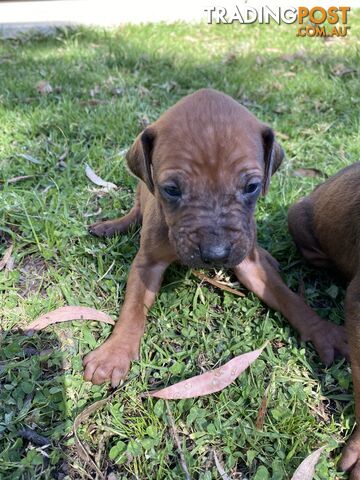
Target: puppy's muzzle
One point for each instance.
(214, 253)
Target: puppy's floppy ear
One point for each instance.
(139, 157)
(273, 156)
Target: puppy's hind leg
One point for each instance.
(118, 225)
(300, 221)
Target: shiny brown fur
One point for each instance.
(326, 228)
(214, 152)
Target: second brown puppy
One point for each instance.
(326, 228)
(202, 167)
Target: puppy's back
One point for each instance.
(337, 218)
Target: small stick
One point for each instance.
(177, 442)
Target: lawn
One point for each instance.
(106, 85)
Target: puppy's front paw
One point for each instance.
(110, 362)
(102, 229)
(330, 341)
(350, 459)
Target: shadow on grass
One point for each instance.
(33, 399)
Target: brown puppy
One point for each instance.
(326, 228)
(202, 166)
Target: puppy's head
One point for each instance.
(207, 160)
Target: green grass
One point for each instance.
(138, 72)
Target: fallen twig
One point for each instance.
(177, 442)
(216, 283)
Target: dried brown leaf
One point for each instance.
(217, 284)
(10, 264)
(98, 180)
(282, 136)
(65, 314)
(308, 172)
(6, 257)
(306, 469)
(339, 70)
(262, 412)
(209, 382)
(43, 87)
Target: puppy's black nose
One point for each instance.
(214, 254)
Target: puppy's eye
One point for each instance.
(251, 188)
(172, 191)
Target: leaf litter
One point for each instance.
(204, 384)
(308, 172)
(217, 283)
(5, 261)
(209, 382)
(306, 469)
(65, 314)
(94, 178)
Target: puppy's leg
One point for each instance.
(300, 221)
(111, 361)
(118, 225)
(350, 459)
(258, 274)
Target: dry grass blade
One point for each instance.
(209, 382)
(98, 180)
(83, 452)
(6, 257)
(306, 469)
(220, 468)
(84, 415)
(65, 314)
(19, 178)
(177, 442)
(217, 284)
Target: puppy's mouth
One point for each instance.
(197, 262)
(194, 258)
(202, 249)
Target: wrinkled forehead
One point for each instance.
(209, 152)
